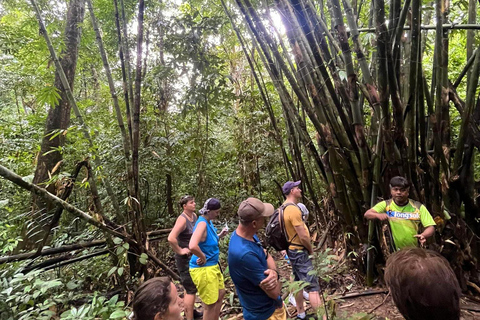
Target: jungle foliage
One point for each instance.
(226, 99)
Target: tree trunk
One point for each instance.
(58, 117)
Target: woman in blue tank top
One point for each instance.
(204, 268)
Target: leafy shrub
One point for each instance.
(36, 295)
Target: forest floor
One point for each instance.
(351, 302)
(375, 307)
(345, 289)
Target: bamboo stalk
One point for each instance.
(125, 64)
(138, 223)
(280, 86)
(449, 26)
(442, 117)
(262, 90)
(465, 70)
(466, 117)
(125, 138)
(411, 123)
(472, 17)
(357, 44)
(127, 61)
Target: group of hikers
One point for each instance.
(411, 273)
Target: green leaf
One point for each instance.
(111, 271)
(71, 285)
(118, 314)
(117, 240)
(143, 258)
(120, 271)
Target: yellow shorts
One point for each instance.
(279, 314)
(208, 280)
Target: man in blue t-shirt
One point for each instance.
(252, 269)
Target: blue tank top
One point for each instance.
(209, 247)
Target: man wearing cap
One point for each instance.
(300, 247)
(252, 269)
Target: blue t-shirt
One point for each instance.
(247, 263)
(209, 247)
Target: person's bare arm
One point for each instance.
(304, 238)
(271, 285)
(197, 237)
(427, 233)
(372, 214)
(178, 228)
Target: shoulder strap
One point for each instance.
(388, 202)
(415, 204)
(282, 220)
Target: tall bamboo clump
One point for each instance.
(326, 71)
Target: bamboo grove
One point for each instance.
(375, 114)
(358, 110)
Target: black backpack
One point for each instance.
(275, 233)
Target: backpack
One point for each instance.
(275, 233)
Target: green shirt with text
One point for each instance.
(405, 221)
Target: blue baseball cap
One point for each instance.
(289, 185)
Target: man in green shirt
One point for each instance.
(404, 215)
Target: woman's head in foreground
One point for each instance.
(156, 299)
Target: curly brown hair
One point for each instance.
(423, 285)
(151, 298)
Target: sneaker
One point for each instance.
(309, 317)
(292, 301)
(306, 296)
(197, 314)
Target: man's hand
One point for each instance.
(185, 252)
(270, 282)
(421, 238)
(382, 216)
(372, 214)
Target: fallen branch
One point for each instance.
(163, 265)
(13, 177)
(378, 306)
(158, 232)
(160, 237)
(52, 251)
(360, 294)
(70, 261)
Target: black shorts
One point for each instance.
(301, 265)
(183, 270)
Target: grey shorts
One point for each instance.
(183, 270)
(301, 265)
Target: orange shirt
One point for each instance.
(293, 217)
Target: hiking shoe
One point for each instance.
(309, 317)
(197, 314)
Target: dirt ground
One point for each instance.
(346, 282)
